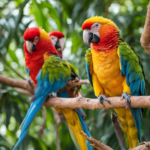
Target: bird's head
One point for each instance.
(58, 41)
(37, 42)
(98, 31)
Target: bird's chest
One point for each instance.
(106, 67)
(34, 65)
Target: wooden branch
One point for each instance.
(94, 143)
(86, 103)
(100, 146)
(23, 91)
(16, 83)
(142, 146)
(25, 85)
(145, 37)
(79, 102)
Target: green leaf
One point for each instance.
(6, 145)
(13, 55)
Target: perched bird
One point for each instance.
(50, 74)
(114, 69)
(58, 41)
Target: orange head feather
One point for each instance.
(108, 33)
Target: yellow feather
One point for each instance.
(74, 125)
(107, 78)
(101, 20)
(43, 34)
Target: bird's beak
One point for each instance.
(60, 44)
(30, 46)
(89, 37)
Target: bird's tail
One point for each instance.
(76, 124)
(130, 122)
(32, 111)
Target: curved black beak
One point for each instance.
(57, 45)
(93, 38)
(34, 47)
(90, 37)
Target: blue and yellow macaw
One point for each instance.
(50, 74)
(58, 42)
(114, 69)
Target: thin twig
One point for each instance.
(59, 119)
(43, 123)
(100, 146)
(23, 91)
(97, 144)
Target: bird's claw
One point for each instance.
(76, 79)
(51, 95)
(31, 83)
(126, 96)
(102, 98)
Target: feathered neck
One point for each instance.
(109, 39)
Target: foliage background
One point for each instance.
(66, 16)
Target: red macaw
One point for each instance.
(50, 74)
(58, 41)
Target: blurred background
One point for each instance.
(66, 16)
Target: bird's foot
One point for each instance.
(31, 83)
(51, 95)
(127, 98)
(76, 79)
(102, 98)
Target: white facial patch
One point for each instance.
(95, 28)
(53, 39)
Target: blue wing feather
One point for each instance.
(136, 84)
(88, 73)
(43, 88)
(27, 70)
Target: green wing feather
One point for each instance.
(88, 59)
(132, 69)
(58, 68)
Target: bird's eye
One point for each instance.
(87, 29)
(36, 38)
(52, 38)
(96, 25)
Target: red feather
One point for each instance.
(87, 25)
(31, 33)
(109, 38)
(57, 34)
(44, 46)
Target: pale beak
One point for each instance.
(30, 46)
(60, 44)
(89, 37)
